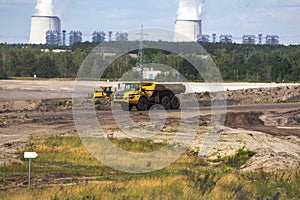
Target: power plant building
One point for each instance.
(98, 36)
(249, 39)
(227, 39)
(75, 36)
(272, 39)
(121, 36)
(214, 36)
(203, 38)
(40, 25)
(187, 30)
(52, 38)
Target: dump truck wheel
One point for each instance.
(175, 104)
(142, 104)
(156, 107)
(166, 102)
(126, 107)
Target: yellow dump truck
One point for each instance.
(103, 92)
(144, 95)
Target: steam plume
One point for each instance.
(190, 9)
(44, 7)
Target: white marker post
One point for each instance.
(30, 155)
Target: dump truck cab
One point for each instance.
(129, 96)
(144, 95)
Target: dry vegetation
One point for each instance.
(65, 170)
(254, 158)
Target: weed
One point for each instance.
(5, 116)
(185, 179)
(287, 101)
(98, 107)
(207, 94)
(98, 102)
(137, 145)
(61, 103)
(8, 144)
(239, 159)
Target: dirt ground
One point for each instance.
(274, 134)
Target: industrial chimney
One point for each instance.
(39, 27)
(187, 30)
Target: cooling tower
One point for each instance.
(40, 25)
(187, 30)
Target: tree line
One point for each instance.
(236, 62)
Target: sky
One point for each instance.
(235, 17)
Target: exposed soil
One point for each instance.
(16, 131)
(43, 105)
(254, 96)
(52, 95)
(266, 122)
(272, 134)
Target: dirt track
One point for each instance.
(243, 125)
(274, 134)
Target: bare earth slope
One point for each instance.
(43, 108)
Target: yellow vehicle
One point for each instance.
(144, 95)
(103, 92)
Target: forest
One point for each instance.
(236, 62)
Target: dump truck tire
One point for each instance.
(142, 104)
(166, 102)
(175, 104)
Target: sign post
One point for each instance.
(30, 155)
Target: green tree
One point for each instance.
(26, 60)
(2, 70)
(45, 66)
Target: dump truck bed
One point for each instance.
(175, 88)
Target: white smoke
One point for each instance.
(190, 9)
(44, 7)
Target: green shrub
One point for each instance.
(240, 158)
(97, 102)
(207, 94)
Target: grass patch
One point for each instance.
(98, 102)
(138, 146)
(62, 103)
(239, 159)
(26, 116)
(288, 101)
(236, 161)
(190, 177)
(66, 151)
(8, 144)
(69, 155)
(209, 184)
(206, 94)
